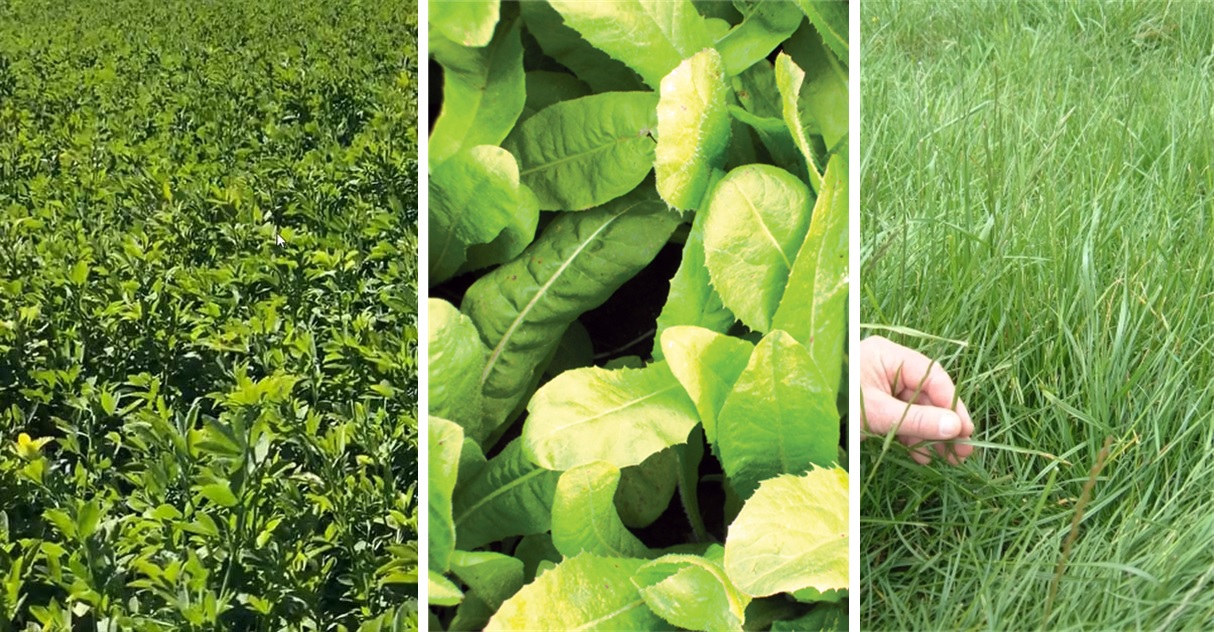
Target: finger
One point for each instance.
(916, 396)
(921, 455)
(883, 413)
(906, 369)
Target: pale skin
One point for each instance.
(908, 393)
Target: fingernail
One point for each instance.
(950, 425)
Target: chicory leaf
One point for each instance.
(584, 152)
(767, 23)
(581, 593)
(792, 534)
(707, 364)
(446, 439)
(829, 17)
(509, 496)
(565, 45)
(814, 306)
(692, 593)
(621, 417)
(475, 196)
(456, 358)
(645, 490)
(693, 129)
(522, 307)
(650, 36)
(584, 519)
(483, 92)
(465, 22)
(780, 417)
(757, 218)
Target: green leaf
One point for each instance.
(586, 592)
(522, 307)
(584, 519)
(493, 577)
(767, 23)
(219, 493)
(456, 359)
(442, 591)
(814, 307)
(692, 593)
(565, 45)
(88, 516)
(446, 440)
(476, 198)
(692, 299)
(757, 218)
(533, 549)
(707, 365)
(792, 534)
(620, 417)
(508, 496)
(650, 36)
(465, 22)
(790, 79)
(545, 88)
(693, 129)
(645, 490)
(829, 17)
(483, 92)
(584, 152)
(780, 417)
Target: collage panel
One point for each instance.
(1035, 215)
(208, 315)
(638, 284)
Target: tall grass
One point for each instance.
(1038, 182)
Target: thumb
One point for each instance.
(883, 412)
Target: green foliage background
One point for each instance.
(208, 306)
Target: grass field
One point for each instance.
(208, 281)
(1037, 185)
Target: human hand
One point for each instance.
(900, 384)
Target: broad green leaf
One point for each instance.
(546, 87)
(475, 197)
(757, 218)
(584, 519)
(792, 534)
(757, 91)
(823, 618)
(492, 577)
(584, 152)
(790, 79)
(536, 548)
(483, 92)
(693, 129)
(445, 442)
(218, 493)
(456, 358)
(829, 17)
(620, 417)
(707, 365)
(565, 45)
(465, 22)
(650, 36)
(575, 351)
(586, 592)
(645, 490)
(692, 299)
(767, 23)
(776, 138)
(814, 307)
(780, 417)
(522, 307)
(692, 593)
(442, 591)
(509, 496)
(825, 90)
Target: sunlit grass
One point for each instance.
(1037, 183)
